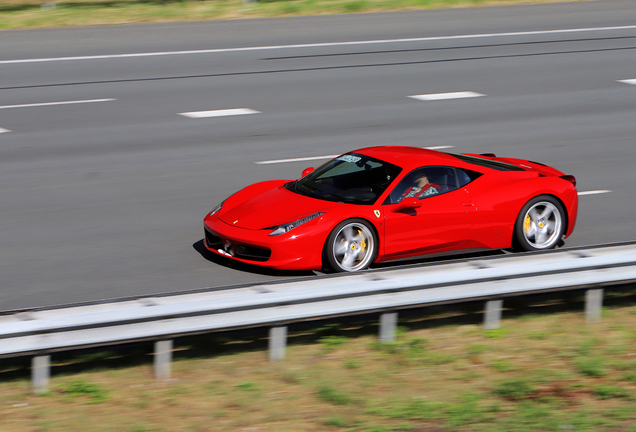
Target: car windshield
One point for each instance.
(351, 178)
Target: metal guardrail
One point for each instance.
(42, 332)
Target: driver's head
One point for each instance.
(422, 181)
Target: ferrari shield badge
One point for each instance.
(376, 213)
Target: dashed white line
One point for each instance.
(594, 192)
(219, 113)
(56, 103)
(3, 130)
(275, 161)
(438, 147)
(316, 45)
(444, 96)
(628, 81)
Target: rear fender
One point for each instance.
(495, 215)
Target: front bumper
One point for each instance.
(299, 249)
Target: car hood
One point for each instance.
(272, 207)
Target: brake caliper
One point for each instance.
(526, 224)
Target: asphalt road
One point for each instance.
(104, 182)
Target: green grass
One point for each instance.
(605, 391)
(333, 396)
(247, 386)
(332, 342)
(80, 387)
(514, 389)
(591, 366)
(31, 13)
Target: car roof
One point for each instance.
(410, 157)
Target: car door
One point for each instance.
(437, 218)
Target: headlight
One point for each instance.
(282, 229)
(216, 209)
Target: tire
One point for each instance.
(540, 224)
(351, 246)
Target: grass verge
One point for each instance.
(444, 373)
(15, 14)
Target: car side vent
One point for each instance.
(487, 154)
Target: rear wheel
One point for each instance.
(540, 224)
(351, 246)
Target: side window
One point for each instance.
(466, 176)
(425, 182)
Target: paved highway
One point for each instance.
(115, 141)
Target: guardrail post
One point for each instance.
(163, 359)
(40, 373)
(492, 317)
(593, 305)
(388, 325)
(277, 343)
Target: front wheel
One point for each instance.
(351, 246)
(540, 224)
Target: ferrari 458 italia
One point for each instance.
(388, 203)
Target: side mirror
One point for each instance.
(407, 203)
(307, 171)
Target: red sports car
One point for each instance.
(386, 203)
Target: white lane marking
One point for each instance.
(444, 96)
(3, 130)
(438, 147)
(56, 103)
(317, 45)
(594, 192)
(219, 113)
(267, 162)
(275, 161)
(628, 81)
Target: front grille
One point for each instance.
(243, 251)
(252, 253)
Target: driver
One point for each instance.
(421, 188)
